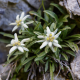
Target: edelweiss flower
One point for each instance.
(50, 39)
(17, 44)
(20, 22)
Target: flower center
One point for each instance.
(50, 38)
(18, 22)
(17, 43)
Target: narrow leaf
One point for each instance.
(27, 60)
(51, 72)
(39, 58)
(46, 66)
(27, 66)
(36, 14)
(52, 14)
(65, 56)
(59, 7)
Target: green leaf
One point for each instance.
(9, 55)
(76, 47)
(65, 28)
(51, 72)
(74, 36)
(53, 26)
(5, 41)
(7, 35)
(52, 14)
(36, 14)
(37, 33)
(37, 62)
(26, 55)
(59, 7)
(46, 16)
(64, 19)
(18, 67)
(33, 42)
(46, 49)
(37, 26)
(65, 56)
(46, 66)
(39, 12)
(27, 60)
(59, 24)
(53, 66)
(27, 66)
(70, 52)
(39, 58)
(42, 54)
(23, 58)
(73, 46)
(10, 60)
(36, 51)
(18, 53)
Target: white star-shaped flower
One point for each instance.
(50, 39)
(17, 44)
(20, 22)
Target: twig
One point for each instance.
(58, 73)
(64, 65)
(8, 75)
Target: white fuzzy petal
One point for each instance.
(56, 44)
(29, 22)
(55, 31)
(16, 38)
(40, 41)
(50, 44)
(55, 41)
(14, 28)
(22, 15)
(17, 17)
(25, 26)
(40, 36)
(12, 23)
(20, 49)
(48, 30)
(22, 28)
(43, 44)
(57, 35)
(25, 17)
(12, 49)
(8, 45)
(13, 41)
(25, 49)
(52, 49)
(25, 40)
(22, 44)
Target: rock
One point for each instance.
(72, 7)
(9, 9)
(14, 1)
(3, 52)
(10, 12)
(75, 65)
(4, 71)
(36, 3)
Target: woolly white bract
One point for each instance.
(50, 39)
(20, 22)
(17, 44)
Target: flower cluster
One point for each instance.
(17, 44)
(49, 39)
(20, 22)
